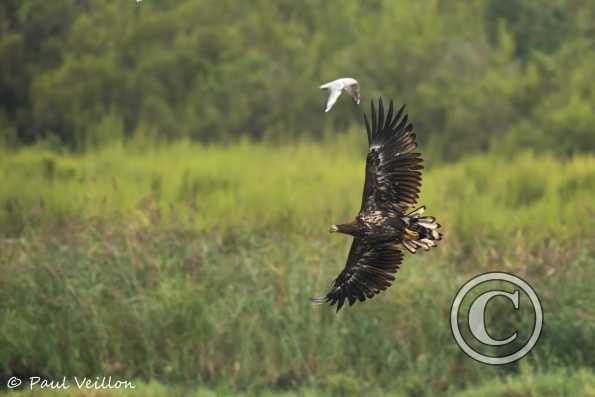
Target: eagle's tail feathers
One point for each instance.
(420, 231)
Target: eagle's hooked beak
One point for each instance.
(333, 229)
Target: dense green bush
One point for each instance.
(484, 74)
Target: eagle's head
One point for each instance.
(345, 228)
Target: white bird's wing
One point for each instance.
(353, 91)
(334, 94)
(332, 84)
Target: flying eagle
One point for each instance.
(383, 225)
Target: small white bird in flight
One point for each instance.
(335, 87)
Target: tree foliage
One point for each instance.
(477, 75)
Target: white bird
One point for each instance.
(335, 87)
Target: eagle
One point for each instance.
(385, 222)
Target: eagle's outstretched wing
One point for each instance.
(393, 168)
(368, 271)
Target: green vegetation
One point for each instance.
(168, 176)
(486, 74)
(193, 265)
(556, 384)
(299, 190)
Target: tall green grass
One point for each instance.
(185, 309)
(551, 384)
(251, 188)
(194, 265)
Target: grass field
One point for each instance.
(554, 384)
(189, 268)
(298, 190)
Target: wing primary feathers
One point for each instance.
(402, 124)
(389, 116)
(368, 271)
(392, 165)
(380, 113)
(368, 132)
(373, 120)
(397, 117)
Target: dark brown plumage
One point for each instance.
(391, 188)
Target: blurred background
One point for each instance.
(168, 176)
